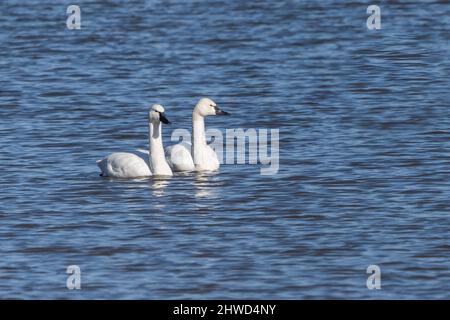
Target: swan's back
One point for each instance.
(124, 165)
(179, 157)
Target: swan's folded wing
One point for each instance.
(179, 157)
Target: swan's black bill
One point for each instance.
(220, 112)
(163, 119)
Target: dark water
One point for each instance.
(364, 173)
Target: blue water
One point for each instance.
(364, 174)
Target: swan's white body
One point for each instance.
(130, 165)
(197, 156)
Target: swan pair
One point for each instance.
(184, 156)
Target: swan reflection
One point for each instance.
(159, 185)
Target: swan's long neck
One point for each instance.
(198, 136)
(157, 158)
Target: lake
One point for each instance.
(364, 150)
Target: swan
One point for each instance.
(197, 156)
(130, 165)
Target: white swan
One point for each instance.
(129, 165)
(197, 156)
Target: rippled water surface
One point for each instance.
(364, 172)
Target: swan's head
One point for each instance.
(156, 114)
(207, 107)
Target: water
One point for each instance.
(364, 173)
